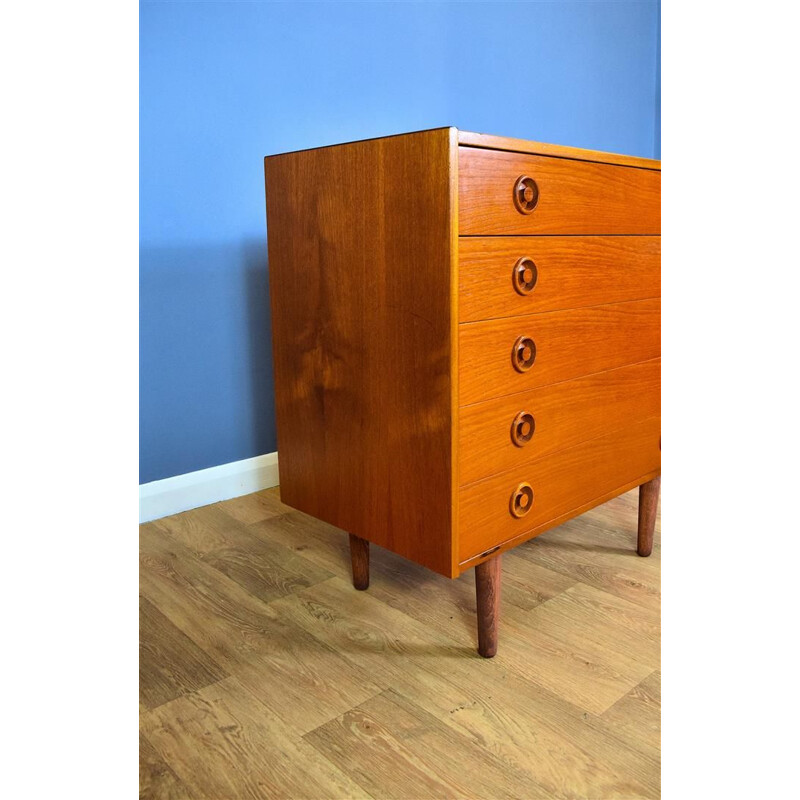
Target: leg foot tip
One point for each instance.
(487, 649)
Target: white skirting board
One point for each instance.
(194, 489)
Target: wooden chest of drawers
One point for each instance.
(466, 335)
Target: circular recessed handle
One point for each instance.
(526, 194)
(521, 500)
(522, 428)
(523, 354)
(524, 276)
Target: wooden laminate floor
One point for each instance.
(264, 674)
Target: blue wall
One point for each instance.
(223, 84)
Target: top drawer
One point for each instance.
(513, 193)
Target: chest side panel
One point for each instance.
(360, 282)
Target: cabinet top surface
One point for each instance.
(488, 141)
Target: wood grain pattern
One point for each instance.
(410, 752)
(575, 197)
(562, 711)
(561, 481)
(360, 240)
(570, 664)
(491, 142)
(488, 583)
(316, 541)
(637, 716)
(252, 508)
(419, 662)
(157, 780)
(648, 503)
(291, 672)
(634, 629)
(565, 414)
(205, 736)
(569, 344)
(572, 272)
(265, 570)
(170, 663)
(489, 706)
(362, 744)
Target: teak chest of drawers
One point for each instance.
(466, 335)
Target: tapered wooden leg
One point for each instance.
(359, 555)
(648, 505)
(487, 589)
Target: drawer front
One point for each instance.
(516, 275)
(504, 356)
(513, 193)
(511, 432)
(498, 509)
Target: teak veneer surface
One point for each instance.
(562, 480)
(572, 272)
(395, 316)
(360, 248)
(569, 344)
(575, 197)
(565, 414)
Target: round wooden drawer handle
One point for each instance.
(521, 500)
(522, 428)
(526, 194)
(524, 276)
(523, 354)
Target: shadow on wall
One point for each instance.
(206, 388)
